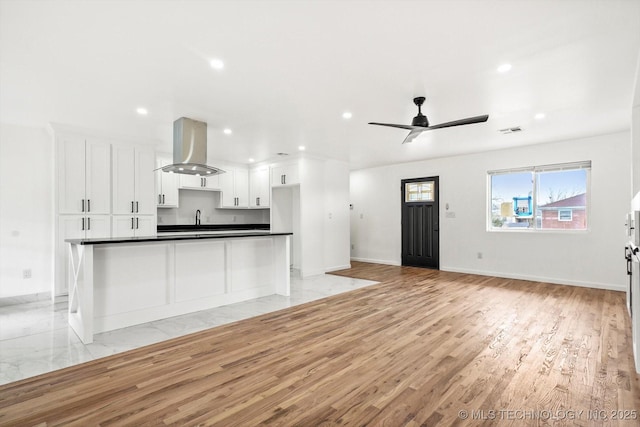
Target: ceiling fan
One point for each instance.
(420, 123)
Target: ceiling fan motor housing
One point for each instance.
(420, 119)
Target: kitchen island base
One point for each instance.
(116, 285)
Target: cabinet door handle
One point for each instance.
(205, 182)
(137, 223)
(82, 205)
(163, 199)
(88, 223)
(281, 179)
(82, 224)
(88, 205)
(132, 223)
(257, 201)
(132, 207)
(159, 199)
(137, 207)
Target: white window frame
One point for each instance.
(535, 170)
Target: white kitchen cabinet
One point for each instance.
(194, 182)
(133, 225)
(234, 185)
(133, 185)
(83, 175)
(166, 184)
(287, 174)
(259, 188)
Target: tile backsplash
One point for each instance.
(207, 202)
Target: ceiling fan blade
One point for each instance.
(413, 134)
(408, 127)
(467, 121)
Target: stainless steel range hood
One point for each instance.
(190, 149)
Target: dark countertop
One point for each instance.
(177, 236)
(211, 227)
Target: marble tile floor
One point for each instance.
(35, 337)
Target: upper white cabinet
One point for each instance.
(166, 184)
(259, 188)
(133, 182)
(234, 185)
(84, 172)
(287, 174)
(194, 182)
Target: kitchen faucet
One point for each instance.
(198, 217)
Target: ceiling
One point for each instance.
(292, 68)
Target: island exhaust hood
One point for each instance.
(190, 149)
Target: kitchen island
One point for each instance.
(120, 282)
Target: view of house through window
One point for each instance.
(551, 197)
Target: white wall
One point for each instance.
(26, 210)
(591, 258)
(635, 138)
(207, 202)
(336, 219)
(312, 214)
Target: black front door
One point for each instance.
(420, 219)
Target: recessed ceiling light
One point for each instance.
(142, 111)
(539, 116)
(180, 169)
(301, 147)
(208, 172)
(347, 115)
(227, 131)
(251, 160)
(216, 64)
(504, 68)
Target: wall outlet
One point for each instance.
(479, 255)
(26, 273)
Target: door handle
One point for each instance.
(131, 206)
(82, 205)
(159, 199)
(257, 201)
(163, 199)
(88, 223)
(88, 205)
(82, 224)
(137, 223)
(137, 207)
(132, 223)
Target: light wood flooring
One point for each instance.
(420, 348)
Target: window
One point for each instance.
(419, 191)
(565, 215)
(551, 197)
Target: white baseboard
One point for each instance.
(376, 261)
(596, 285)
(337, 267)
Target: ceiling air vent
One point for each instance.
(282, 154)
(510, 130)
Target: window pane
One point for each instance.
(419, 191)
(511, 200)
(562, 200)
